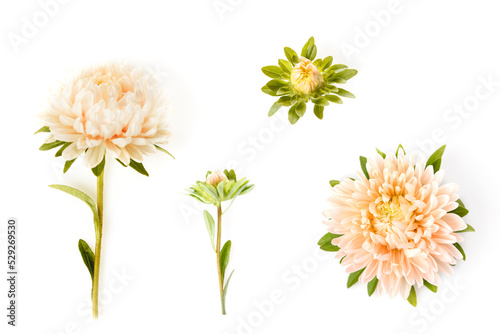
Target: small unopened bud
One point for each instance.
(305, 77)
(215, 178)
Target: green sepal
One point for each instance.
(43, 129)
(467, 229)
(460, 249)
(354, 277)
(435, 159)
(61, 150)
(292, 56)
(292, 115)
(285, 66)
(333, 183)
(344, 93)
(230, 174)
(326, 63)
(412, 297)
(372, 285)
(382, 154)
(461, 210)
(268, 91)
(430, 286)
(68, 164)
(318, 111)
(138, 167)
(97, 170)
(161, 149)
(327, 238)
(334, 99)
(363, 161)
(273, 71)
(274, 108)
(300, 109)
(346, 74)
(49, 146)
(400, 147)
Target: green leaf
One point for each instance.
(231, 175)
(87, 256)
(346, 74)
(335, 68)
(460, 249)
(345, 93)
(300, 109)
(97, 170)
(333, 183)
(353, 277)
(268, 90)
(209, 222)
(59, 153)
(435, 158)
(334, 99)
(49, 146)
(321, 102)
(363, 161)
(312, 52)
(307, 48)
(272, 71)
(80, 195)
(292, 56)
(382, 154)
(285, 101)
(121, 163)
(68, 164)
(461, 211)
(224, 257)
(337, 80)
(328, 247)
(275, 85)
(247, 189)
(342, 259)
(400, 147)
(161, 149)
(224, 293)
(327, 238)
(274, 108)
(372, 285)
(43, 129)
(139, 167)
(209, 189)
(468, 229)
(430, 286)
(285, 90)
(412, 298)
(326, 63)
(318, 111)
(292, 115)
(285, 66)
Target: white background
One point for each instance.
(424, 58)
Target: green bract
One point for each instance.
(226, 190)
(299, 80)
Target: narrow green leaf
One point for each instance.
(333, 183)
(363, 161)
(61, 150)
(312, 52)
(326, 63)
(224, 293)
(285, 101)
(139, 167)
(337, 80)
(80, 195)
(43, 129)
(400, 147)
(268, 91)
(346, 74)
(275, 84)
(161, 149)
(292, 115)
(353, 277)
(274, 108)
(224, 257)
(285, 66)
(345, 93)
(272, 71)
(121, 163)
(231, 175)
(309, 44)
(321, 102)
(461, 211)
(412, 298)
(318, 111)
(372, 285)
(49, 146)
(68, 164)
(435, 158)
(292, 56)
(327, 238)
(247, 189)
(334, 99)
(342, 259)
(460, 249)
(335, 68)
(209, 222)
(430, 286)
(328, 247)
(300, 109)
(382, 154)
(87, 256)
(97, 170)
(468, 229)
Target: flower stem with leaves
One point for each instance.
(217, 188)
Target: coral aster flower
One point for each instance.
(397, 223)
(305, 77)
(113, 109)
(215, 178)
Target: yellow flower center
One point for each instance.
(305, 77)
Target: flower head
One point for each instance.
(300, 80)
(215, 178)
(397, 223)
(113, 109)
(305, 77)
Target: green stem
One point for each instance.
(97, 259)
(217, 251)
